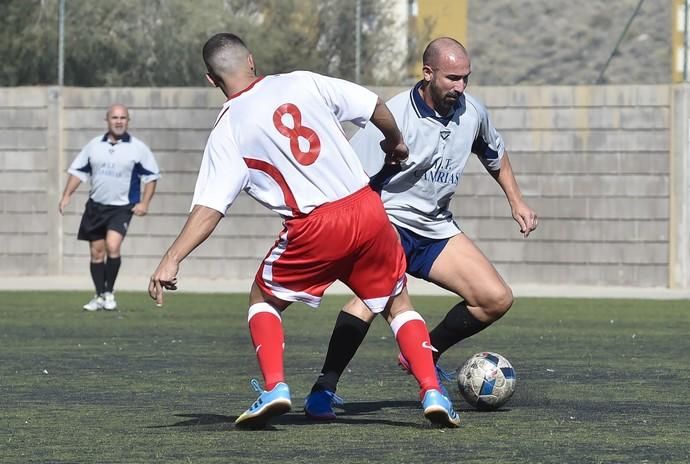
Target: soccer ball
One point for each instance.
(486, 380)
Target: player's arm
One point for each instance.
(79, 171)
(352, 102)
(223, 174)
(521, 212)
(200, 223)
(141, 208)
(149, 178)
(72, 184)
(490, 148)
(393, 144)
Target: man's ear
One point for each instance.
(250, 60)
(427, 72)
(211, 80)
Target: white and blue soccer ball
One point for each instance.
(486, 380)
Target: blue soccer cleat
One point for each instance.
(269, 404)
(439, 410)
(319, 404)
(441, 374)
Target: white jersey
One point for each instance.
(115, 170)
(281, 141)
(418, 197)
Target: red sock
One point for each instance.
(266, 329)
(413, 339)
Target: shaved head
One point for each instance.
(117, 108)
(117, 118)
(446, 68)
(226, 54)
(441, 49)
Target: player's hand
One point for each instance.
(165, 277)
(62, 206)
(525, 217)
(396, 152)
(140, 209)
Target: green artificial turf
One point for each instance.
(598, 381)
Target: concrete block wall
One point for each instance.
(593, 161)
(175, 124)
(25, 164)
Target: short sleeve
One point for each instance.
(150, 168)
(488, 144)
(81, 165)
(348, 101)
(223, 173)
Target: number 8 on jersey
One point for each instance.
(294, 133)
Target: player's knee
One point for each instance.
(113, 247)
(113, 252)
(97, 255)
(357, 308)
(498, 302)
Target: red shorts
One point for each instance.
(350, 240)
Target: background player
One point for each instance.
(116, 163)
(279, 139)
(442, 125)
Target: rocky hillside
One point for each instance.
(568, 42)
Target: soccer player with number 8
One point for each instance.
(279, 138)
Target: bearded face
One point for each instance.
(446, 79)
(444, 99)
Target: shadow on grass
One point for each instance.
(365, 407)
(199, 419)
(371, 406)
(219, 422)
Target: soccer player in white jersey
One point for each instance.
(442, 125)
(279, 139)
(116, 164)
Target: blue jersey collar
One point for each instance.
(125, 137)
(425, 111)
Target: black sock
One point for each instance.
(458, 325)
(98, 277)
(112, 266)
(348, 334)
